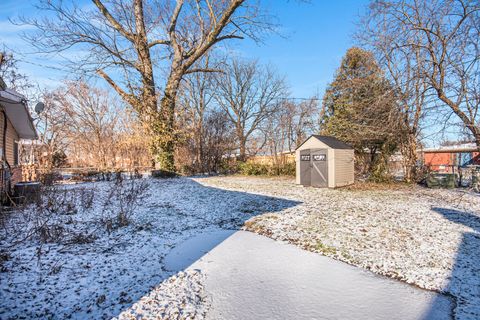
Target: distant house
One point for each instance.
(15, 124)
(446, 158)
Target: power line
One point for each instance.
(296, 98)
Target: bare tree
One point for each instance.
(92, 119)
(288, 127)
(217, 140)
(276, 132)
(206, 132)
(404, 69)
(10, 74)
(130, 42)
(300, 120)
(85, 126)
(441, 41)
(132, 142)
(52, 124)
(196, 99)
(248, 93)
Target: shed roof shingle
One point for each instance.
(332, 142)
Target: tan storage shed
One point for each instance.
(324, 161)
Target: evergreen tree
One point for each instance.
(359, 107)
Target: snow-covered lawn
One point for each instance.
(91, 269)
(72, 277)
(429, 238)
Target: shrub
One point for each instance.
(163, 174)
(288, 169)
(122, 200)
(49, 178)
(258, 169)
(379, 173)
(252, 169)
(49, 219)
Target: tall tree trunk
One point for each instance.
(201, 165)
(163, 127)
(409, 152)
(199, 156)
(243, 151)
(242, 141)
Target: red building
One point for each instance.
(445, 159)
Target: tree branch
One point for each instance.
(113, 21)
(126, 96)
(208, 70)
(159, 42)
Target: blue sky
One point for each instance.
(314, 37)
(317, 36)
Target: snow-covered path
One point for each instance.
(248, 276)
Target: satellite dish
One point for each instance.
(39, 107)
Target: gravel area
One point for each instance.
(428, 238)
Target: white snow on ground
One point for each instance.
(181, 296)
(426, 237)
(429, 238)
(100, 279)
(250, 277)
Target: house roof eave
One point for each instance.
(15, 107)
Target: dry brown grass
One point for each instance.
(369, 186)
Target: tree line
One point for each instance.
(221, 117)
(189, 107)
(418, 68)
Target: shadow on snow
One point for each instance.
(466, 264)
(213, 213)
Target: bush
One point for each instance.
(442, 180)
(259, 169)
(49, 178)
(49, 219)
(122, 200)
(379, 177)
(288, 169)
(252, 169)
(163, 174)
(379, 171)
(85, 175)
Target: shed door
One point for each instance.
(305, 164)
(319, 175)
